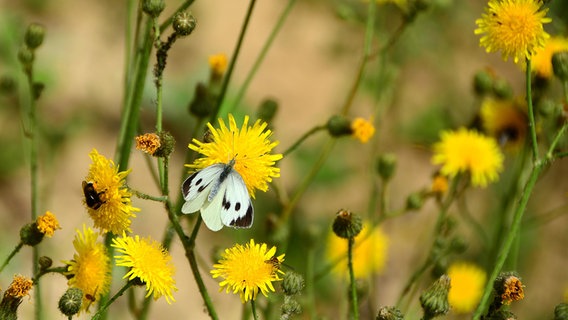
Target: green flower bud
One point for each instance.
(30, 235)
(389, 313)
(267, 110)
(483, 82)
(561, 312)
(34, 35)
(386, 166)
(167, 144)
(292, 284)
(346, 224)
(184, 23)
(458, 245)
(502, 89)
(70, 302)
(338, 126)
(560, 65)
(201, 106)
(434, 300)
(25, 56)
(45, 262)
(414, 201)
(7, 85)
(289, 308)
(153, 8)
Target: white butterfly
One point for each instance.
(221, 194)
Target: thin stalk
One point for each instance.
(353, 288)
(258, 61)
(509, 239)
(532, 125)
(12, 254)
(234, 58)
(310, 283)
(101, 313)
(298, 142)
(253, 308)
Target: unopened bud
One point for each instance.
(267, 110)
(389, 313)
(502, 89)
(34, 35)
(483, 82)
(338, 126)
(201, 106)
(434, 300)
(292, 283)
(560, 65)
(386, 166)
(414, 201)
(70, 302)
(346, 224)
(153, 7)
(561, 312)
(45, 262)
(30, 234)
(184, 23)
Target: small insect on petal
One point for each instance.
(92, 197)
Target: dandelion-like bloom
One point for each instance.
(248, 146)
(513, 27)
(90, 268)
(20, 287)
(505, 121)
(47, 224)
(248, 269)
(363, 129)
(541, 62)
(468, 282)
(469, 151)
(369, 252)
(149, 262)
(148, 143)
(116, 208)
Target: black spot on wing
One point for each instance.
(244, 221)
(226, 204)
(185, 186)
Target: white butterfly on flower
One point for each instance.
(221, 194)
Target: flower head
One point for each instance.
(218, 64)
(20, 287)
(114, 211)
(513, 27)
(248, 146)
(468, 281)
(468, 151)
(369, 254)
(148, 143)
(542, 61)
(505, 121)
(90, 268)
(509, 287)
(363, 129)
(149, 262)
(47, 224)
(248, 269)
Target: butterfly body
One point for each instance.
(221, 195)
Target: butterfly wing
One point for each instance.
(211, 210)
(236, 206)
(196, 188)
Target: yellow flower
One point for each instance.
(149, 262)
(115, 210)
(542, 61)
(505, 121)
(439, 184)
(90, 268)
(20, 287)
(148, 143)
(369, 254)
(363, 130)
(47, 224)
(248, 269)
(513, 27)
(467, 284)
(218, 64)
(469, 151)
(512, 290)
(249, 147)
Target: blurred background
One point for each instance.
(424, 86)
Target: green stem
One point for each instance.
(253, 308)
(354, 302)
(310, 283)
(101, 313)
(149, 197)
(12, 254)
(258, 61)
(302, 139)
(131, 112)
(555, 141)
(231, 67)
(510, 237)
(532, 125)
